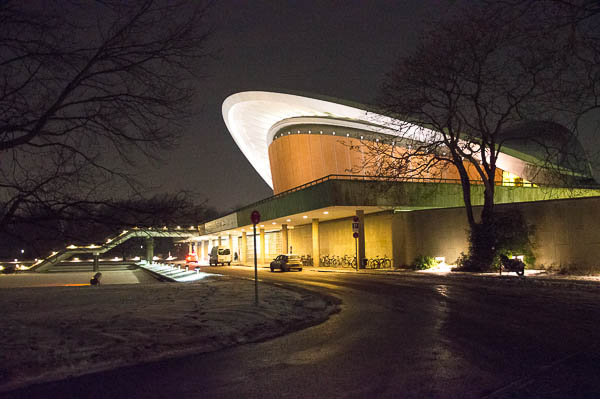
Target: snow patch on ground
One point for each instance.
(52, 333)
(74, 278)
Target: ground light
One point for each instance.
(442, 266)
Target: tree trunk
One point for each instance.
(483, 237)
(466, 192)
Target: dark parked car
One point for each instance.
(285, 263)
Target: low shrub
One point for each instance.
(423, 262)
(509, 235)
(463, 263)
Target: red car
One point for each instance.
(191, 257)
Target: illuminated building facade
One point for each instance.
(311, 152)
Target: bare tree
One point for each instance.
(475, 86)
(86, 90)
(40, 231)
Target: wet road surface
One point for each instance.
(396, 336)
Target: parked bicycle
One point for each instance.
(348, 261)
(306, 260)
(326, 261)
(379, 263)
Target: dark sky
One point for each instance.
(335, 48)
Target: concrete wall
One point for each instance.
(336, 237)
(300, 239)
(566, 232)
(378, 235)
(439, 232)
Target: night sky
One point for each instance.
(335, 48)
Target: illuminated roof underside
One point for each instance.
(252, 117)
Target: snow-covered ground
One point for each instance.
(54, 332)
(73, 278)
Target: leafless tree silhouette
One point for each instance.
(87, 89)
(489, 81)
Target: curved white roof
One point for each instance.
(253, 116)
(250, 115)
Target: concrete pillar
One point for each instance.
(230, 244)
(149, 249)
(315, 242)
(206, 253)
(361, 237)
(284, 239)
(219, 241)
(96, 261)
(244, 249)
(190, 247)
(262, 247)
(201, 254)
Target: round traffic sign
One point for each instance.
(255, 217)
(355, 219)
(355, 235)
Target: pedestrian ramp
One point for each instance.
(55, 258)
(71, 266)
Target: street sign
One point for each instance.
(255, 217)
(355, 234)
(355, 227)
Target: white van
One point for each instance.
(219, 255)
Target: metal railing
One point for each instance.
(368, 178)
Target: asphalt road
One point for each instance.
(396, 336)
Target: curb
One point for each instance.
(546, 280)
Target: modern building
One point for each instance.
(312, 151)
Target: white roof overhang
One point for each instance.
(253, 117)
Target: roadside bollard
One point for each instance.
(187, 268)
(197, 271)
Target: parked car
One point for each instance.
(219, 255)
(287, 262)
(191, 257)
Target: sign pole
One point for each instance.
(355, 230)
(255, 218)
(255, 271)
(356, 249)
